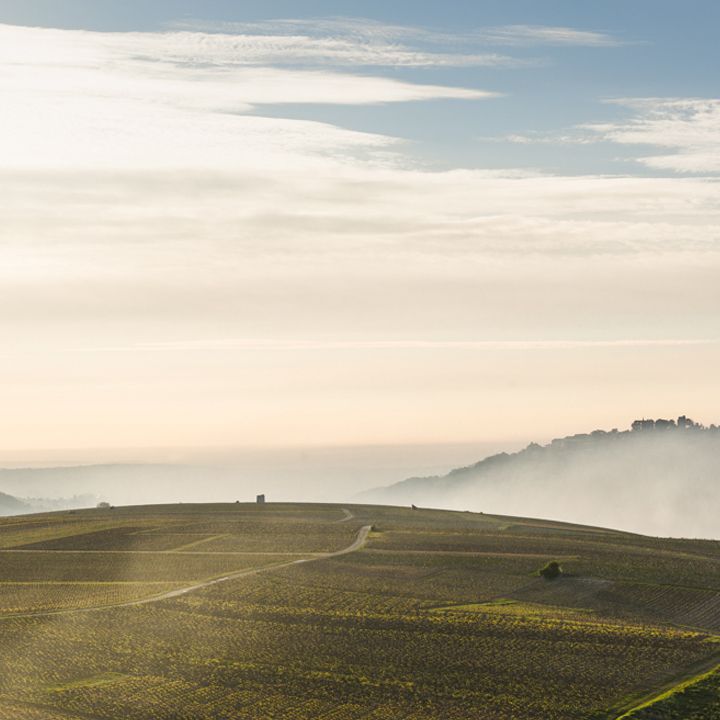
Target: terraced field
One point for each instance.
(310, 611)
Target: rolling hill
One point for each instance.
(261, 612)
(660, 480)
(10, 505)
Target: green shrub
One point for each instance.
(551, 571)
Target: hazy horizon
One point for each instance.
(59, 457)
(648, 482)
(319, 474)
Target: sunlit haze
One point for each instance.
(316, 224)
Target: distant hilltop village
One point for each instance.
(683, 423)
(645, 426)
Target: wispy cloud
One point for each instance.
(518, 35)
(573, 137)
(74, 99)
(139, 170)
(689, 127)
(345, 42)
(502, 345)
(262, 345)
(359, 41)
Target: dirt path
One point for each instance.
(356, 545)
(160, 552)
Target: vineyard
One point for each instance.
(698, 699)
(236, 611)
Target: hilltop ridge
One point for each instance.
(658, 477)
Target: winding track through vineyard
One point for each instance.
(358, 543)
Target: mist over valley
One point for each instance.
(659, 478)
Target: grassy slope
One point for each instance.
(441, 615)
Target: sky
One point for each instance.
(338, 223)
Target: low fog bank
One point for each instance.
(316, 474)
(653, 481)
(10, 505)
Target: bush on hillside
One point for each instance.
(551, 571)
